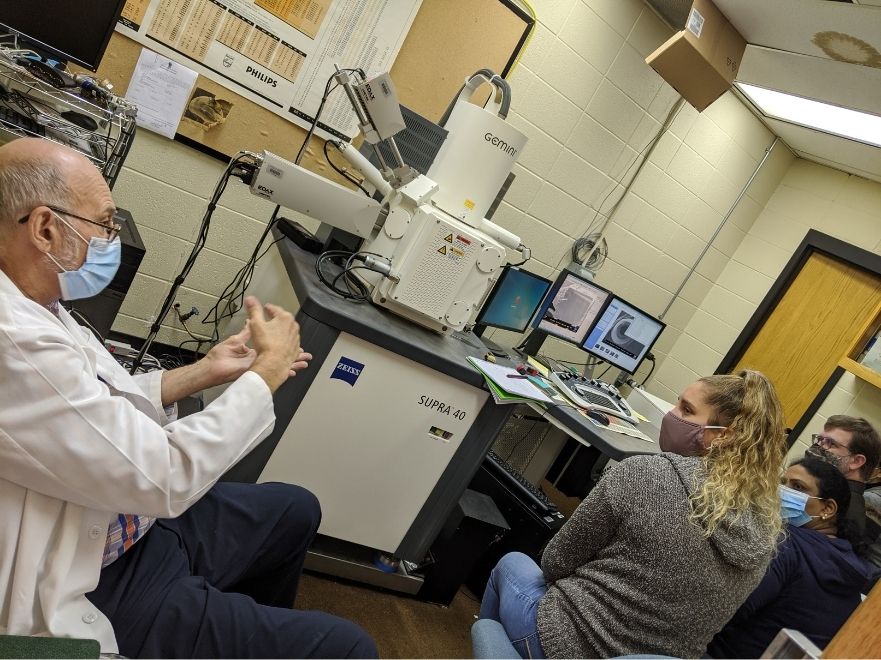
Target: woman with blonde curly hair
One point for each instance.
(666, 547)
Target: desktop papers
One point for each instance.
(506, 385)
(623, 429)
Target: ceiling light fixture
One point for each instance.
(833, 119)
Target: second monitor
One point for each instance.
(571, 309)
(623, 335)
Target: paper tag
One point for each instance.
(695, 23)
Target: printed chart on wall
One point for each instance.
(278, 53)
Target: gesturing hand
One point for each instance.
(275, 336)
(230, 359)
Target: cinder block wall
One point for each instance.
(590, 106)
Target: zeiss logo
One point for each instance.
(347, 370)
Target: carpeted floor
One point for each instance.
(402, 626)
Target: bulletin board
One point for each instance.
(449, 40)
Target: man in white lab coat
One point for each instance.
(112, 525)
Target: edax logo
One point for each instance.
(347, 370)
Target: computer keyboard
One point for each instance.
(592, 395)
(536, 499)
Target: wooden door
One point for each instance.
(811, 329)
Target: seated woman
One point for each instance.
(666, 547)
(814, 581)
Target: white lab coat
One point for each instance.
(75, 451)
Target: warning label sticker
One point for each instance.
(449, 239)
(442, 249)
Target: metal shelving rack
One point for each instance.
(83, 115)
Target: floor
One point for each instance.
(403, 626)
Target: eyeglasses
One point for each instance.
(111, 228)
(828, 442)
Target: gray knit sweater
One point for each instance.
(628, 573)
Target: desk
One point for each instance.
(363, 442)
(616, 446)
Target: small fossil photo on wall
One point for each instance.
(206, 110)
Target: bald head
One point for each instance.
(37, 241)
(35, 172)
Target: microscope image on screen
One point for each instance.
(571, 310)
(568, 308)
(618, 336)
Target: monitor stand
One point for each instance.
(533, 343)
(495, 349)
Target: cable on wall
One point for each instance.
(719, 228)
(649, 149)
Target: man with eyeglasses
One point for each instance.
(112, 525)
(853, 446)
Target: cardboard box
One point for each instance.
(700, 61)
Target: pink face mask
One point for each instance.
(681, 437)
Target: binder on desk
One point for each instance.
(506, 385)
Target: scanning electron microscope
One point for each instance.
(429, 254)
(389, 422)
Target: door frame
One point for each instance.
(813, 242)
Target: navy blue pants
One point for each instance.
(220, 580)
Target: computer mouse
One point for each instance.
(596, 415)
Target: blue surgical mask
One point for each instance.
(792, 506)
(99, 268)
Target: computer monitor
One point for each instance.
(623, 335)
(571, 308)
(513, 301)
(74, 31)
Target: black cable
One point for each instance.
(591, 362)
(345, 174)
(604, 372)
(327, 91)
(362, 294)
(199, 243)
(233, 295)
(522, 439)
(645, 380)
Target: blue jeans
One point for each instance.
(515, 587)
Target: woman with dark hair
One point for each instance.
(814, 582)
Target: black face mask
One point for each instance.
(816, 451)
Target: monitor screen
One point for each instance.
(571, 308)
(623, 335)
(513, 301)
(75, 31)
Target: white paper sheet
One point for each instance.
(160, 87)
